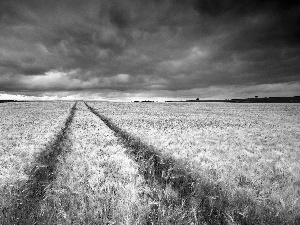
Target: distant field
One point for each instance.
(149, 163)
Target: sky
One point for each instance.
(125, 50)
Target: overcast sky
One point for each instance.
(149, 49)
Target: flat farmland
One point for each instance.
(149, 163)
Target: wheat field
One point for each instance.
(149, 163)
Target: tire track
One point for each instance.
(97, 183)
(164, 170)
(25, 205)
(207, 201)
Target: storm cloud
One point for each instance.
(149, 48)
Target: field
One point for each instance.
(149, 163)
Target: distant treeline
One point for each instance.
(4, 101)
(295, 99)
(144, 101)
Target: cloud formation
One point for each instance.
(151, 48)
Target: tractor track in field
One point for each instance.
(25, 204)
(163, 170)
(166, 171)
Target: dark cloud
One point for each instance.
(242, 7)
(119, 16)
(159, 46)
(34, 70)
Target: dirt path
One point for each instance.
(24, 208)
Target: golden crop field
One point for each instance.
(149, 163)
